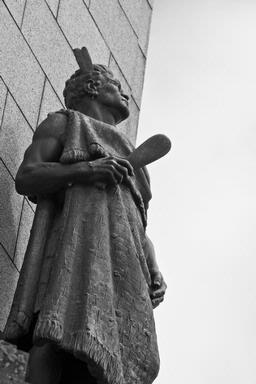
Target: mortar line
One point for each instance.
(58, 8)
(2, 161)
(112, 52)
(127, 18)
(18, 230)
(9, 257)
(5, 102)
(31, 50)
(41, 101)
(8, 89)
(23, 13)
(151, 6)
(29, 203)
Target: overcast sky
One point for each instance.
(200, 90)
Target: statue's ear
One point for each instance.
(91, 87)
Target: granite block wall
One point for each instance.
(36, 41)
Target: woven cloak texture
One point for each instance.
(85, 270)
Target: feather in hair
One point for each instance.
(83, 59)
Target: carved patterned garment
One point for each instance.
(91, 286)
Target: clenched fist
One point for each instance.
(110, 170)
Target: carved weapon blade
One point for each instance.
(151, 150)
(83, 59)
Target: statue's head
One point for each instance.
(95, 83)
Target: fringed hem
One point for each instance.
(103, 365)
(74, 155)
(48, 329)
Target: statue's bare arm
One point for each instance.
(158, 285)
(42, 173)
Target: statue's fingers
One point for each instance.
(157, 301)
(157, 279)
(124, 171)
(113, 176)
(125, 163)
(117, 175)
(158, 293)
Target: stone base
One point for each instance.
(13, 364)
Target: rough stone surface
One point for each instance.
(18, 67)
(10, 210)
(137, 78)
(82, 31)
(13, 364)
(23, 235)
(129, 127)
(139, 13)
(10, 380)
(54, 54)
(15, 136)
(32, 205)
(122, 41)
(87, 2)
(53, 4)
(16, 7)
(3, 93)
(118, 74)
(8, 281)
(50, 102)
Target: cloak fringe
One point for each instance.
(87, 348)
(50, 327)
(74, 155)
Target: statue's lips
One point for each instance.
(125, 100)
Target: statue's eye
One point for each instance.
(117, 84)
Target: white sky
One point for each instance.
(200, 90)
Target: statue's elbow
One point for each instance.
(19, 185)
(21, 180)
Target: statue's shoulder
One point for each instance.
(53, 126)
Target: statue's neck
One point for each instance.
(97, 112)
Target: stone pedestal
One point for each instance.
(12, 364)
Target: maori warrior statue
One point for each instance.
(84, 302)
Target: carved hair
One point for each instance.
(75, 88)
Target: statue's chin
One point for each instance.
(121, 120)
(125, 113)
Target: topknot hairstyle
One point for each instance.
(75, 88)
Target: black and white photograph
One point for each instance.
(127, 198)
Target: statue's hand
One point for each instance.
(110, 170)
(158, 288)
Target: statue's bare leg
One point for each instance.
(75, 371)
(44, 365)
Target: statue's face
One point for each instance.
(112, 96)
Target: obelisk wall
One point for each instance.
(36, 41)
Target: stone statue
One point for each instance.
(89, 282)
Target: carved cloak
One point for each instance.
(85, 270)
